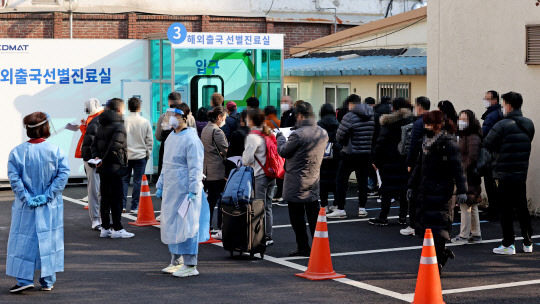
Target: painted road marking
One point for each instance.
(330, 221)
(401, 249)
(403, 297)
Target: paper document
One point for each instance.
(94, 162)
(379, 178)
(184, 207)
(286, 132)
(72, 126)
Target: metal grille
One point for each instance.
(532, 48)
(394, 90)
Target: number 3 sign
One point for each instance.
(177, 33)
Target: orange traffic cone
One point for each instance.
(146, 216)
(211, 240)
(428, 284)
(86, 207)
(320, 261)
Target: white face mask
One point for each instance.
(504, 111)
(487, 104)
(462, 125)
(174, 122)
(285, 107)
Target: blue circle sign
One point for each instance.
(177, 33)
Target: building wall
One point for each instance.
(311, 89)
(137, 26)
(351, 12)
(474, 47)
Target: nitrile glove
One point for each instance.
(42, 200)
(33, 202)
(159, 193)
(461, 198)
(192, 196)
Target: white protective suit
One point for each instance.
(181, 175)
(36, 237)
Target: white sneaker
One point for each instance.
(171, 268)
(105, 233)
(136, 211)
(407, 231)
(337, 214)
(362, 212)
(332, 208)
(85, 199)
(527, 249)
(121, 234)
(158, 218)
(186, 271)
(217, 235)
(510, 250)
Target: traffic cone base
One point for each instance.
(211, 240)
(145, 216)
(320, 261)
(428, 285)
(319, 276)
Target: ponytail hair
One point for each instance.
(257, 117)
(215, 114)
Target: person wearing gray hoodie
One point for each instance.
(355, 134)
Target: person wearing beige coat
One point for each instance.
(215, 152)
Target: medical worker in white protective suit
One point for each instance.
(185, 215)
(38, 172)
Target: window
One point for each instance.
(291, 89)
(268, 77)
(335, 94)
(394, 90)
(532, 47)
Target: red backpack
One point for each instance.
(275, 164)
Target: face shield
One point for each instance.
(165, 125)
(47, 120)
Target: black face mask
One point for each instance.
(429, 133)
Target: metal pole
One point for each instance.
(70, 20)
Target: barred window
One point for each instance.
(393, 90)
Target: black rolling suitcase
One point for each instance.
(243, 228)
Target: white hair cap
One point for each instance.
(92, 106)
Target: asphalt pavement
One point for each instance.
(380, 264)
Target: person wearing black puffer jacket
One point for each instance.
(510, 140)
(391, 164)
(330, 164)
(355, 134)
(110, 147)
(437, 173)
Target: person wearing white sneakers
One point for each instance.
(510, 141)
(355, 134)
(109, 149)
(185, 213)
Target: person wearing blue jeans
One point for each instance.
(137, 168)
(140, 141)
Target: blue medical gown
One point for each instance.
(36, 237)
(182, 174)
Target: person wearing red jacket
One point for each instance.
(88, 129)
